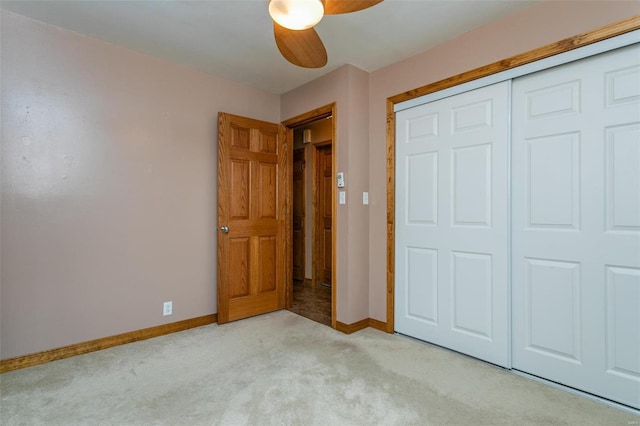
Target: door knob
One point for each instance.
(224, 229)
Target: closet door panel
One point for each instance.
(575, 224)
(451, 230)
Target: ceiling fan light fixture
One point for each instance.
(296, 14)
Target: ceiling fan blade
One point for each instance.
(300, 47)
(335, 7)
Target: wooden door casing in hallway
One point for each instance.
(254, 211)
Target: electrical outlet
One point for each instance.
(167, 308)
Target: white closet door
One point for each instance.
(451, 223)
(576, 225)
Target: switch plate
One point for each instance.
(342, 198)
(340, 177)
(365, 198)
(167, 308)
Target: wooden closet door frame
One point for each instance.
(561, 47)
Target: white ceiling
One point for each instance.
(234, 38)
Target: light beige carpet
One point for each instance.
(282, 369)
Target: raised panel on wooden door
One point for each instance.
(240, 137)
(268, 258)
(266, 198)
(576, 224)
(239, 254)
(240, 190)
(268, 142)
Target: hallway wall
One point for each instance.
(348, 86)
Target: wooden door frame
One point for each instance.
(562, 46)
(329, 110)
(316, 217)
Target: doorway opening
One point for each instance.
(313, 222)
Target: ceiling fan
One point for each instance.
(293, 22)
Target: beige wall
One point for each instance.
(109, 162)
(348, 87)
(528, 29)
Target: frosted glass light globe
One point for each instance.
(296, 14)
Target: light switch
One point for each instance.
(365, 198)
(342, 198)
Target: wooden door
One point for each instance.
(324, 179)
(576, 225)
(253, 217)
(298, 214)
(452, 228)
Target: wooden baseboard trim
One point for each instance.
(378, 325)
(361, 325)
(25, 361)
(352, 328)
